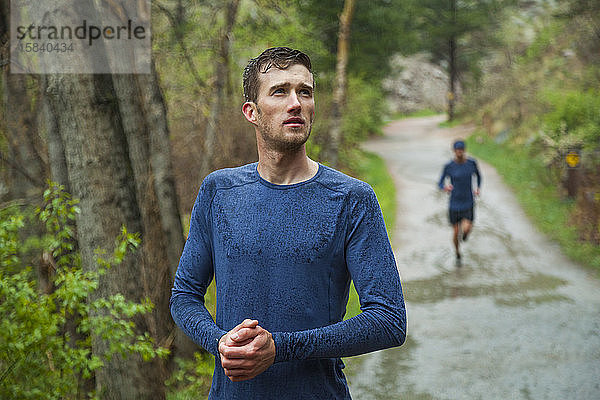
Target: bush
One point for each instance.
(364, 111)
(45, 338)
(193, 378)
(573, 118)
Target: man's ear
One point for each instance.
(249, 111)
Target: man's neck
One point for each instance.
(286, 169)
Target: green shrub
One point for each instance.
(573, 117)
(45, 338)
(364, 111)
(192, 378)
(544, 41)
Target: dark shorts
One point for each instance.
(457, 216)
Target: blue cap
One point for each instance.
(459, 145)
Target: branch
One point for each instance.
(180, 39)
(21, 170)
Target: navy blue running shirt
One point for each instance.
(461, 178)
(284, 255)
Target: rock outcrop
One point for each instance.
(416, 84)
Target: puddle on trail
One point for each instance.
(381, 375)
(452, 284)
(369, 375)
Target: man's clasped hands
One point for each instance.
(246, 351)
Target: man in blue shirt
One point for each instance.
(460, 171)
(283, 238)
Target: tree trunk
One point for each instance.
(56, 149)
(339, 91)
(27, 169)
(452, 80)
(452, 64)
(162, 168)
(155, 274)
(164, 186)
(4, 22)
(102, 176)
(102, 179)
(144, 120)
(143, 114)
(177, 20)
(222, 76)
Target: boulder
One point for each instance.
(415, 84)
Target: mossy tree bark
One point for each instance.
(339, 92)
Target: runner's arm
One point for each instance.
(382, 322)
(478, 175)
(194, 274)
(443, 177)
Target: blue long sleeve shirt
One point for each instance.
(284, 255)
(461, 178)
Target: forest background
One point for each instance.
(87, 261)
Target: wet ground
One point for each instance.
(516, 320)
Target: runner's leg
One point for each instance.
(467, 225)
(455, 238)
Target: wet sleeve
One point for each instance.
(370, 262)
(477, 173)
(194, 274)
(443, 177)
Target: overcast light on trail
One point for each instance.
(517, 320)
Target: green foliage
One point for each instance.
(471, 24)
(380, 28)
(267, 23)
(364, 111)
(372, 169)
(192, 378)
(573, 117)
(9, 241)
(544, 41)
(58, 216)
(543, 78)
(540, 97)
(416, 114)
(45, 338)
(450, 124)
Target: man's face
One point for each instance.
(285, 107)
(460, 154)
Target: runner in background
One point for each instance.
(460, 172)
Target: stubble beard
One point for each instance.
(286, 144)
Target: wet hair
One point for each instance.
(278, 57)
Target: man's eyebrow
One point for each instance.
(288, 84)
(307, 86)
(279, 85)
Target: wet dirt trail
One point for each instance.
(517, 320)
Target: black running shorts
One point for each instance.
(457, 216)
